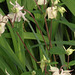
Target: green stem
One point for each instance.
(38, 40)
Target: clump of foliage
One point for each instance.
(37, 37)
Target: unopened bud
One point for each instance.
(61, 10)
(33, 73)
(69, 51)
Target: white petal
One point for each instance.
(2, 28)
(12, 3)
(11, 16)
(67, 70)
(55, 2)
(56, 73)
(1, 17)
(18, 6)
(41, 2)
(19, 14)
(54, 69)
(5, 19)
(52, 12)
(65, 74)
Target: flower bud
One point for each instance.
(69, 51)
(33, 73)
(43, 63)
(61, 10)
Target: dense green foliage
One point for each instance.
(14, 56)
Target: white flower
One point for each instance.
(3, 21)
(55, 1)
(41, 2)
(52, 12)
(55, 71)
(17, 12)
(65, 72)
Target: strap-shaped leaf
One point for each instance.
(57, 50)
(70, 4)
(28, 4)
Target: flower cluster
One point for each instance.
(52, 11)
(17, 13)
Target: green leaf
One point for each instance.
(38, 72)
(70, 25)
(28, 4)
(57, 50)
(7, 49)
(30, 35)
(70, 4)
(26, 73)
(4, 67)
(72, 63)
(2, 1)
(8, 61)
(59, 37)
(31, 51)
(55, 25)
(65, 22)
(20, 47)
(53, 63)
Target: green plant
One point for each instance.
(30, 44)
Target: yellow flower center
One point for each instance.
(15, 10)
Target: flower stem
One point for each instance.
(50, 45)
(11, 22)
(47, 30)
(25, 46)
(38, 27)
(38, 5)
(45, 69)
(68, 62)
(38, 41)
(54, 59)
(44, 4)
